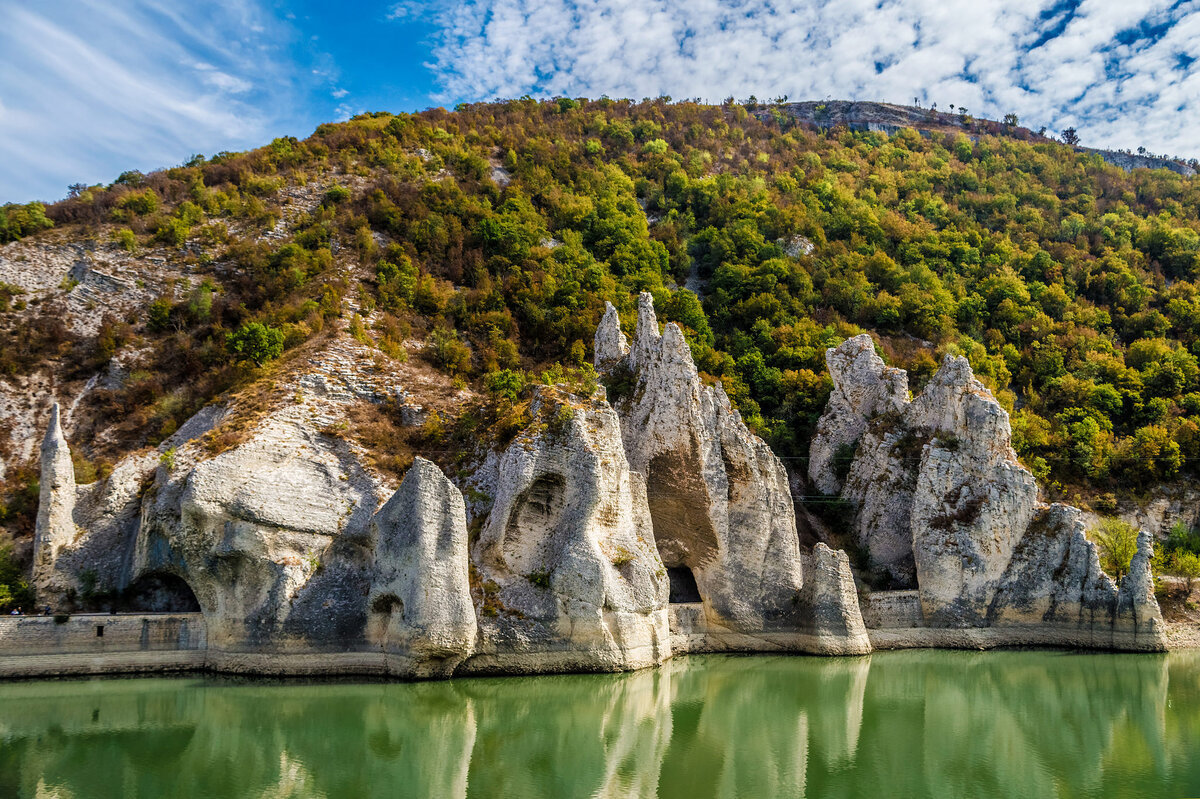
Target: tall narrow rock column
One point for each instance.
(56, 506)
(421, 583)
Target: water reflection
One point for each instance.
(906, 724)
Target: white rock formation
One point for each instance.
(569, 578)
(610, 344)
(863, 388)
(1055, 585)
(420, 591)
(942, 503)
(55, 528)
(720, 503)
(273, 537)
(973, 501)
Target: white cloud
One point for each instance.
(977, 53)
(95, 88)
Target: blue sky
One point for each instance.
(90, 88)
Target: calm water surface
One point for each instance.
(921, 723)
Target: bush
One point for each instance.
(1187, 566)
(14, 590)
(1117, 541)
(256, 342)
(126, 238)
(17, 221)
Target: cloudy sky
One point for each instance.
(90, 88)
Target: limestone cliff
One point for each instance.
(569, 578)
(940, 502)
(720, 503)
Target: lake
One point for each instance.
(915, 723)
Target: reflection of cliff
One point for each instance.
(918, 723)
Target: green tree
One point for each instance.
(1187, 566)
(1117, 541)
(256, 342)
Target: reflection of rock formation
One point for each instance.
(720, 504)
(919, 723)
(941, 502)
(570, 578)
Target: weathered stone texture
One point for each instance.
(569, 575)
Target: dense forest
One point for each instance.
(496, 232)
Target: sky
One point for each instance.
(91, 88)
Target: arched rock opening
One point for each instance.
(160, 592)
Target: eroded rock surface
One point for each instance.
(420, 590)
(56, 505)
(720, 502)
(569, 578)
(941, 503)
(863, 388)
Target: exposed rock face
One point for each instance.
(719, 501)
(569, 576)
(1055, 583)
(420, 590)
(942, 503)
(611, 345)
(273, 537)
(56, 505)
(973, 501)
(863, 388)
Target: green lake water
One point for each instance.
(905, 724)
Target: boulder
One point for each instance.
(568, 578)
(420, 598)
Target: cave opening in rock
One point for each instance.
(683, 585)
(159, 592)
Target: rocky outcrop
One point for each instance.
(55, 527)
(568, 575)
(272, 536)
(1055, 585)
(610, 344)
(720, 504)
(863, 388)
(941, 503)
(420, 598)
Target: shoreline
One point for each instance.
(41, 647)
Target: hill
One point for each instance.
(443, 261)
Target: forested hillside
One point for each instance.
(496, 232)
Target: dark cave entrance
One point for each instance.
(683, 585)
(160, 592)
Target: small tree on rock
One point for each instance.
(1117, 541)
(1070, 136)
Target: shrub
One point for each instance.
(17, 221)
(126, 238)
(336, 195)
(1187, 566)
(256, 342)
(14, 590)
(1117, 541)
(506, 383)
